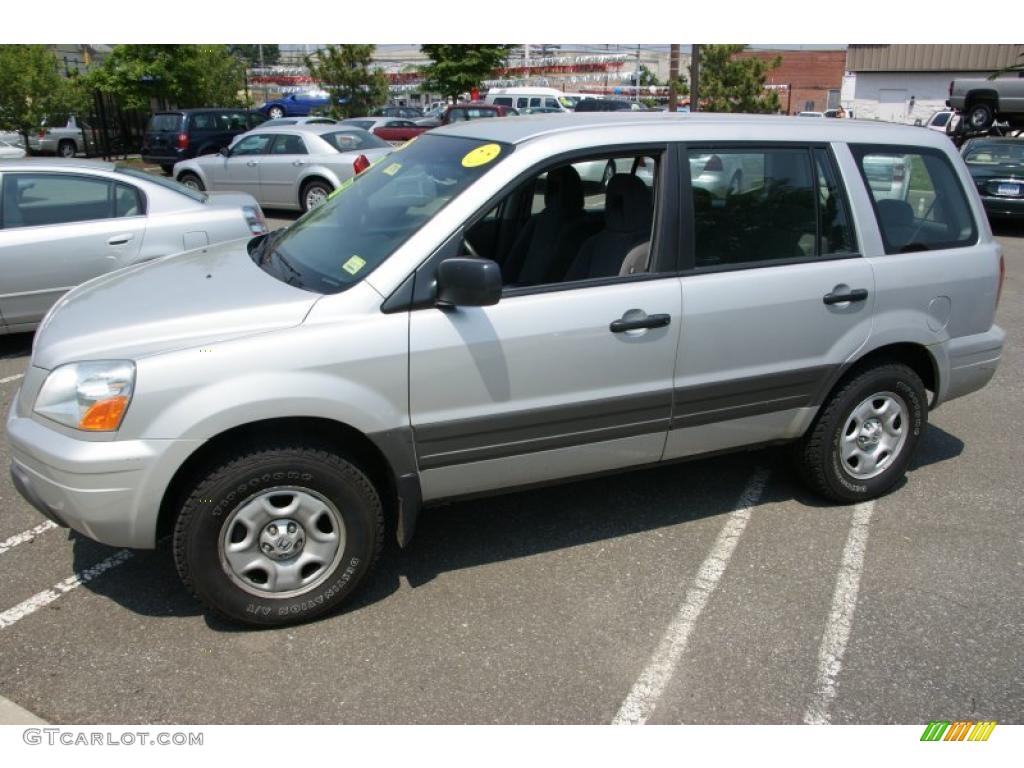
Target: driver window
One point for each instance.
(589, 219)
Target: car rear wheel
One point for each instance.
(191, 181)
(276, 113)
(980, 116)
(865, 435)
(67, 148)
(278, 534)
(314, 194)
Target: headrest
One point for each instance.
(627, 204)
(564, 190)
(895, 213)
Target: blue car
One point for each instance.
(293, 105)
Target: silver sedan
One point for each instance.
(294, 166)
(65, 222)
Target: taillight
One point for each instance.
(1002, 276)
(182, 141)
(714, 163)
(361, 164)
(254, 218)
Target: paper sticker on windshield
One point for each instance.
(481, 156)
(392, 169)
(353, 265)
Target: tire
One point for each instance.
(980, 116)
(314, 194)
(235, 552)
(609, 171)
(67, 148)
(853, 451)
(191, 181)
(275, 113)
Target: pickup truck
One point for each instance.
(982, 101)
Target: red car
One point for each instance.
(397, 129)
(472, 110)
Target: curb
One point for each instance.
(12, 714)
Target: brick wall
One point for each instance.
(810, 75)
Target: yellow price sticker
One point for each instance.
(392, 169)
(481, 156)
(354, 264)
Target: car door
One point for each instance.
(279, 168)
(776, 297)
(58, 230)
(239, 171)
(555, 380)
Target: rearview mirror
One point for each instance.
(463, 282)
(224, 151)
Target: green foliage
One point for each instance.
(31, 88)
(457, 69)
(728, 84)
(344, 72)
(250, 54)
(647, 77)
(172, 75)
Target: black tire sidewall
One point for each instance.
(217, 497)
(201, 187)
(305, 191)
(900, 381)
(985, 109)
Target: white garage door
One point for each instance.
(892, 105)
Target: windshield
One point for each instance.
(152, 178)
(337, 244)
(349, 141)
(1003, 153)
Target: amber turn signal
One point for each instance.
(105, 415)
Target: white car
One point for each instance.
(10, 151)
(293, 167)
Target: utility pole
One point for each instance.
(263, 75)
(673, 77)
(695, 79)
(638, 73)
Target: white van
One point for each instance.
(547, 99)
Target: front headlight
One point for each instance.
(90, 396)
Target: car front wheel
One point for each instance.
(865, 435)
(278, 534)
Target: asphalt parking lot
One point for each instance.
(716, 591)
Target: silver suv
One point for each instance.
(467, 316)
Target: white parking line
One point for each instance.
(6, 379)
(21, 538)
(47, 596)
(840, 617)
(643, 697)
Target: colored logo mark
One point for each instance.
(958, 730)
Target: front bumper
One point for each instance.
(1003, 206)
(108, 490)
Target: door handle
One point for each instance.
(120, 239)
(252, 163)
(854, 294)
(651, 321)
(298, 162)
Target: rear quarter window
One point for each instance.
(164, 122)
(919, 202)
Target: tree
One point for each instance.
(458, 69)
(31, 88)
(729, 84)
(250, 54)
(179, 75)
(344, 72)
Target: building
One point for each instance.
(806, 80)
(906, 83)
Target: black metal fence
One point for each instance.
(110, 131)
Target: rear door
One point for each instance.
(776, 297)
(58, 230)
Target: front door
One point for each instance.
(777, 300)
(240, 170)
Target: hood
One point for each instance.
(198, 297)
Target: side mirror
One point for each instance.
(224, 151)
(463, 282)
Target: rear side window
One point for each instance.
(918, 199)
(204, 121)
(755, 205)
(504, 100)
(164, 122)
(39, 199)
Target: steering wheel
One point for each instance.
(469, 248)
